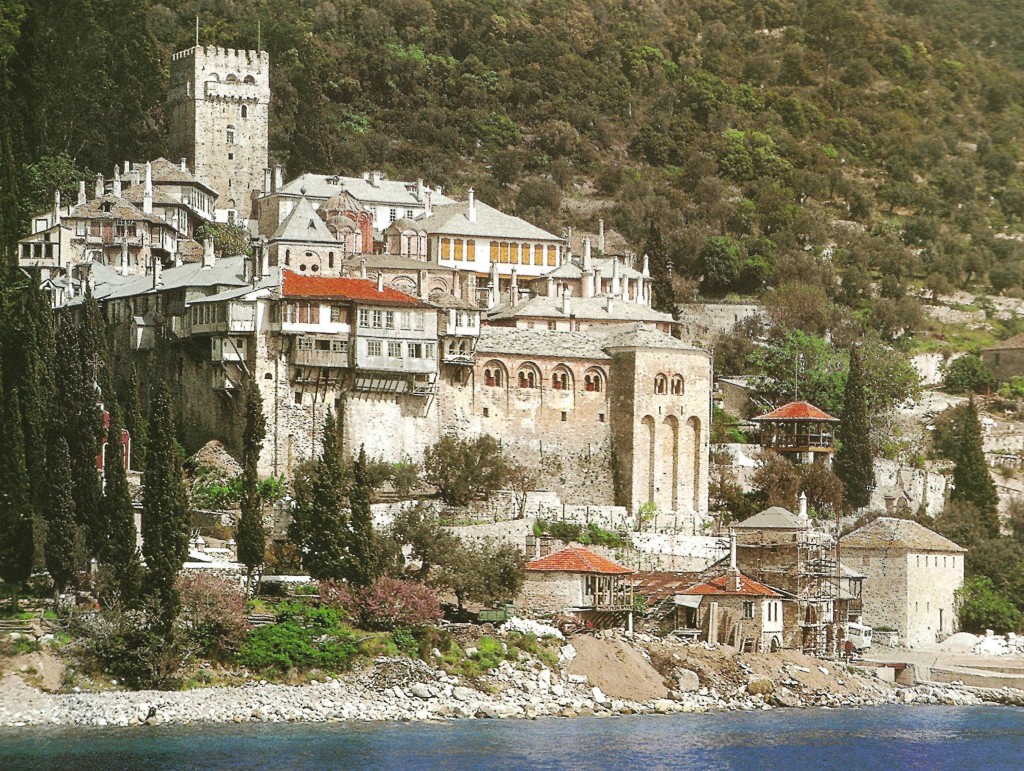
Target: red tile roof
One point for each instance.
(748, 588)
(661, 585)
(359, 289)
(797, 411)
(576, 559)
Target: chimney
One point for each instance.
(732, 575)
(184, 165)
(802, 504)
(124, 258)
(81, 193)
(427, 208)
(421, 284)
(514, 289)
(126, 168)
(117, 182)
(588, 283)
(616, 288)
(565, 303)
(419, 189)
(598, 282)
(157, 278)
(439, 191)
(278, 177)
(609, 303)
(586, 253)
(380, 281)
(647, 266)
(362, 267)
(600, 236)
(264, 253)
(472, 205)
(71, 281)
(99, 186)
(56, 207)
(209, 259)
(268, 179)
(147, 191)
(375, 179)
(551, 287)
(492, 295)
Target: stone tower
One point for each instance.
(219, 110)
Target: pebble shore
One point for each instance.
(404, 690)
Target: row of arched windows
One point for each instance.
(664, 385)
(528, 377)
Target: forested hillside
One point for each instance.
(744, 145)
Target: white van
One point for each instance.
(859, 635)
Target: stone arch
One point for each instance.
(213, 77)
(528, 376)
(249, 80)
(404, 284)
(594, 380)
(495, 374)
(678, 387)
(438, 285)
(562, 379)
(660, 384)
(648, 459)
(694, 440)
(670, 455)
(231, 78)
(774, 645)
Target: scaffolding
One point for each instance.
(801, 564)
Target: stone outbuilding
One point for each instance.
(576, 579)
(733, 609)
(1006, 358)
(911, 577)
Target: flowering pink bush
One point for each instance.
(385, 604)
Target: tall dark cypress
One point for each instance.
(250, 537)
(165, 523)
(971, 479)
(61, 529)
(17, 545)
(324, 515)
(854, 464)
(134, 421)
(37, 378)
(122, 551)
(363, 559)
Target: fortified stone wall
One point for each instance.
(933, 579)
(885, 586)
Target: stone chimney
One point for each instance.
(616, 280)
(587, 262)
(421, 284)
(264, 254)
(81, 193)
(514, 290)
(184, 165)
(647, 266)
(124, 258)
(100, 189)
(600, 236)
(268, 180)
(278, 177)
(117, 182)
(375, 179)
(362, 267)
(609, 304)
(472, 206)
(56, 207)
(550, 286)
(158, 278)
(566, 310)
(802, 505)
(147, 191)
(732, 575)
(419, 189)
(380, 281)
(427, 208)
(209, 258)
(588, 283)
(598, 282)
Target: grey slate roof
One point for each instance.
(774, 518)
(447, 301)
(303, 224)
(271, 282)
(540, 343)
(167, 172)
(637, 335)
(396, 261)
(902, 534)
(581, 308)
(453, 219)
(388, 191)
(227, 272)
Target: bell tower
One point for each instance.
(219, 115)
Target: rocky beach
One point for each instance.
(400, 689)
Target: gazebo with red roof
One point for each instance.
(576, 579)
(800, 431)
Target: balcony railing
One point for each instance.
(319, 358)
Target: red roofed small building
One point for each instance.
(733, 609)
(800, 432)
(575, 579)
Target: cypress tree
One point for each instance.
(133, 419)
(37, 389)
(250, 536)
(17, 545)
(325, 520)
(60, 517)
(972, 482)
(122, 551)
(363, 564)
(854, 464)
(165, 522)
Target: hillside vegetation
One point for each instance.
(865, 148)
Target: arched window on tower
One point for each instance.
(250, 80)
(527, 377)
(593, 381)
(660, 384)
(245, 111)
(230, 136)
(677, 385)
(561, 380)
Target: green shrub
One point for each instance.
(405, 641)
(983, 607)
(968, 374)
(286, 645)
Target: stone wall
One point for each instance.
(885, 586)
(932, 580)
(544, 592)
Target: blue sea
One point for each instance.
(846, 740)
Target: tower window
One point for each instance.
(231, 135)
(245, 111)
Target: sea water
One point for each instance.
(846, 740)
